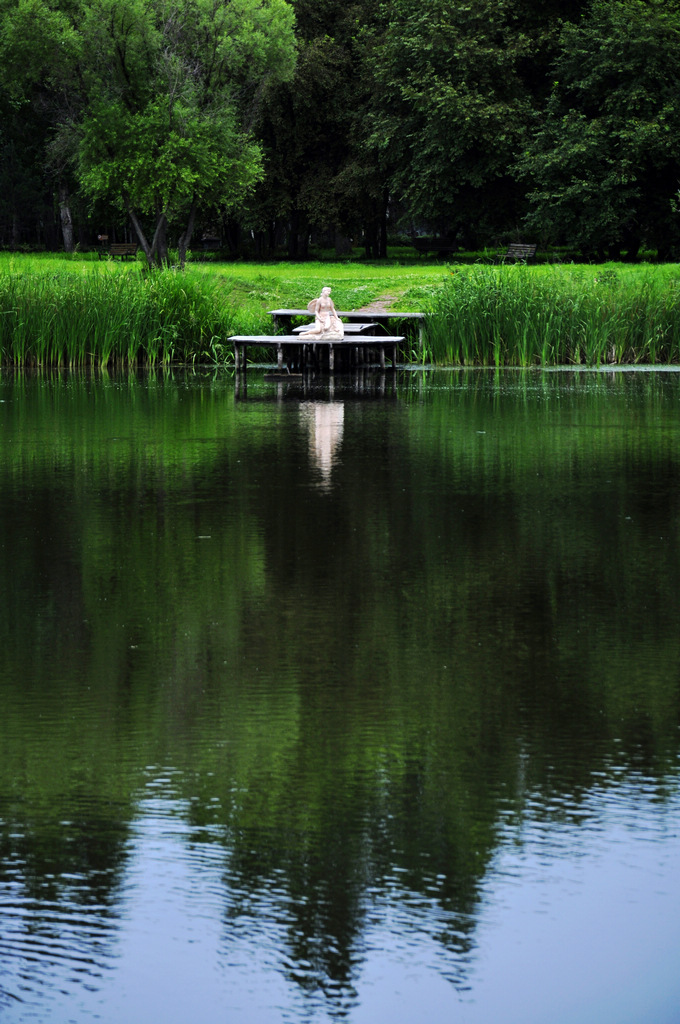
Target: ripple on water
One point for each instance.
(47, 946)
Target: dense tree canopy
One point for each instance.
(149, 98)
(161, 130)
(276, 122)
(605, 161)
(453, 109)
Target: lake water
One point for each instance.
(340, 703)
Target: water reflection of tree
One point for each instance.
(355, 741)
(333, 878)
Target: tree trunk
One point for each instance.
(159, 246)
(382, 229)
(158, 250)
(271, 237)
(65, 216)
(343, 244)
(141, 237)
(303, 244)
(371, 238)
(185, 237)
(232, 233)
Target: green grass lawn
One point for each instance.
(353, 285)
(411, 285)
(271, 285)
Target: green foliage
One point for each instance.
(187, 153)
(525, 316)
(110, 317)
(162, 130)
(22, 171)
(485, 122)
(39, 47)
(73, 312)
(604, 162)
(320, 171)
(453, 108)
(152, 97)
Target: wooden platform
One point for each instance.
(283, 318)
(301, 353)
(364, 328)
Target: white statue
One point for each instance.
(327, 324)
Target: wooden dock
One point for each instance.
(366, 335)
(318, 352)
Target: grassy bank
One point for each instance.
(354, 285)
(519, 315)
(59, 311)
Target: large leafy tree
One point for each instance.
(459, 88)
(321, 174)
(303, 130)
(452, 109)
(35, 52)
(155, 97)
(605, 162)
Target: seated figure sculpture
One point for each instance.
(327, 324)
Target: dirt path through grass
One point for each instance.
(380, 305)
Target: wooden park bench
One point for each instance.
(519, 252)
(121, 249)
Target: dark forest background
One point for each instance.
(357, 124)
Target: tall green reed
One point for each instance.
(53, 314)
(527, 316)
(113, 317)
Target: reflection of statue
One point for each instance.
(325, 423)
(327, 323)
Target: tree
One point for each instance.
(319, 168)
(24, 191)
(157, 96)
(35, 50)
(605, 161)
(452, 110)
(302, 135)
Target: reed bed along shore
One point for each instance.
(113, 316)
(60, 312)
(523, 316)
